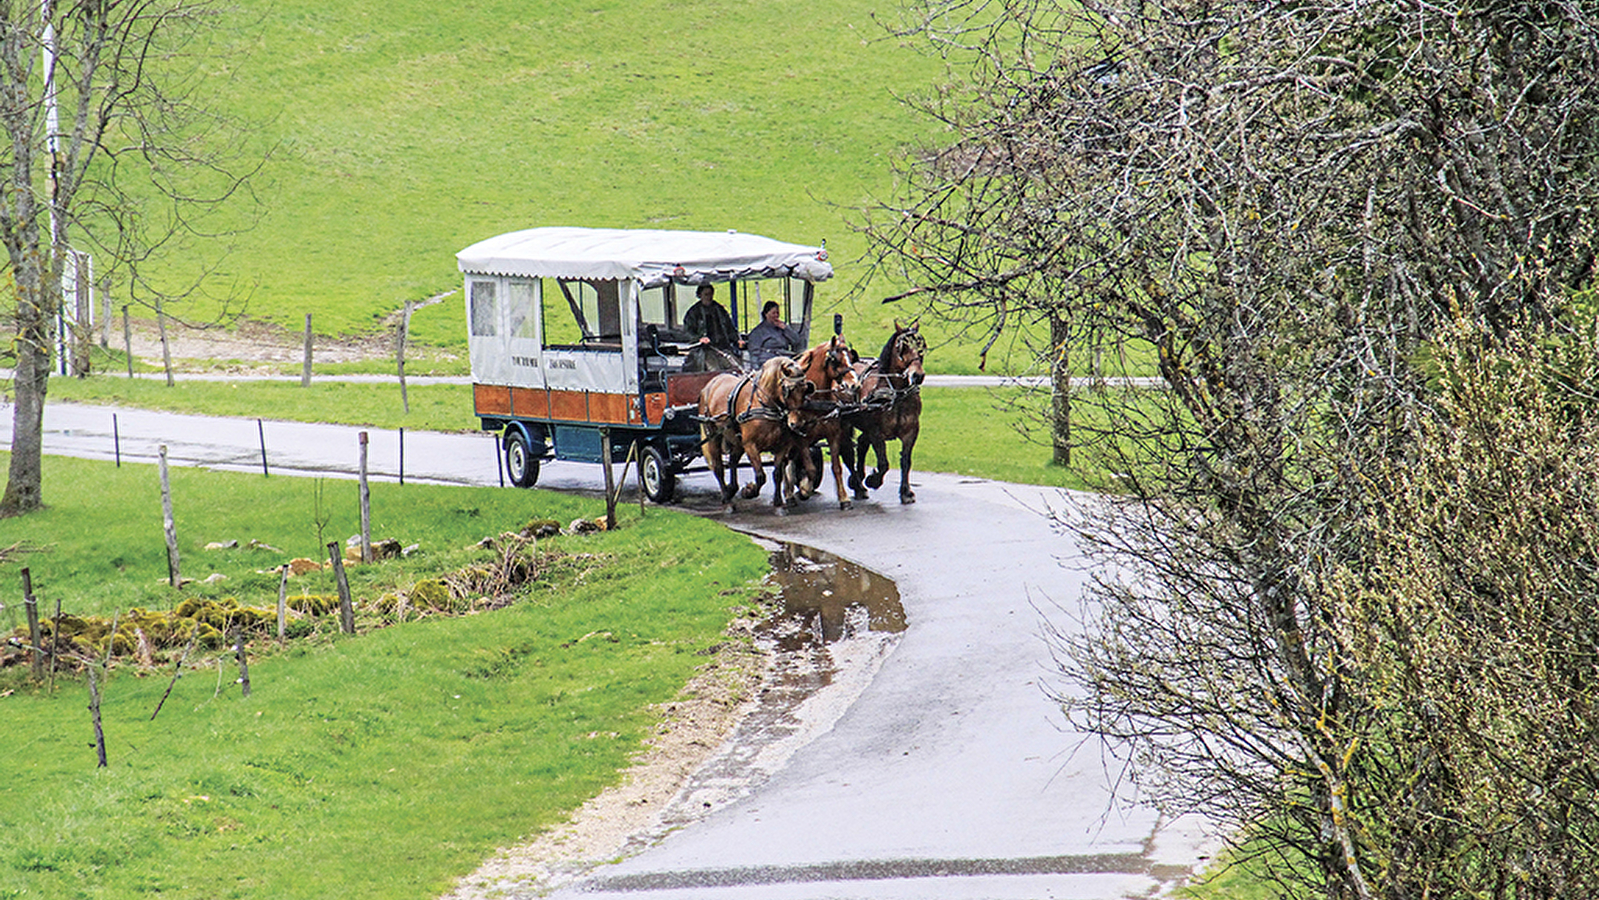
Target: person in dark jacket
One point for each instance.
(772, 337)
(708, 321)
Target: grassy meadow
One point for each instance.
(402, 132)
(381, 765)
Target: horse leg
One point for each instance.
(833, 452)
(711, 448)
(907, 442)
(880, 444)
(798, 462)
(757, 473)
(856, 460)
(785, 475)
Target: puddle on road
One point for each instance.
(826, 599)
(837, 623)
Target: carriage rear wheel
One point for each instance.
(660, 483)
(521, 466)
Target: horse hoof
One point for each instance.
(749, 494)
(874, 481)
(907, 497)
(860, 494)
(845, 504)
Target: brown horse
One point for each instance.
(891, 401)
(830, 369)
(747, 414)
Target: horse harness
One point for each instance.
(764, 410)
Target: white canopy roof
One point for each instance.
(654, 257)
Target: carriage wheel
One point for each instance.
(520, 465)
(659, 481)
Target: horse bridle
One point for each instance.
(899, 383)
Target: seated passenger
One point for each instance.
(771, 337)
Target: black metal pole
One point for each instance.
(261, 431)
(116, 437)
(402, 456)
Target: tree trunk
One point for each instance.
(23, 480)
(1061, 391)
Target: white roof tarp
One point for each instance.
(653, 257)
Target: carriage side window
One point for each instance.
(484, 318)
(597, 307)
(521, 306)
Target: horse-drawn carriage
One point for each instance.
(578, 339)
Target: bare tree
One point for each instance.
(1271, 206)
(106, 149)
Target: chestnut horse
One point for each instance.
(830, 369)
(747, 414)
(891, 401)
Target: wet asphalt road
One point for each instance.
(951, 775)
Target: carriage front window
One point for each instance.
(654, 306)
(484, 314)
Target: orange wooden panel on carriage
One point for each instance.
(609, 408)
(683, 389)
(531, 403)
(569, 406)
(655, 407)
(491, 399)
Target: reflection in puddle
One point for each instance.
(837, 625)
(827, 599)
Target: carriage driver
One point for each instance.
(771, 337)
(708, 321)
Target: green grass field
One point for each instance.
(380, 765)
(406, 131)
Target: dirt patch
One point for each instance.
(692, 727)
(250, 345)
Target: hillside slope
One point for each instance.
(409, 129)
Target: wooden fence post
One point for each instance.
(83, 314)
(305, 374)
(94, 714)
(283, 593)
(399, 353)
(174, 574)
(244, 665)
(166, 348)
(366, 507)
(105, 314)
(610, 478)
(30, 603)
(55, 644)
(127, 339)
(346, 608)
